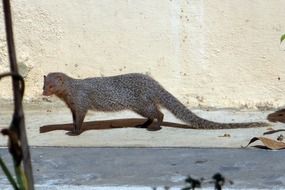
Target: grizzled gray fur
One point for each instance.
(137, 92)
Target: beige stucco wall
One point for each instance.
(213, 53)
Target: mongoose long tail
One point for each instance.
(196, 122)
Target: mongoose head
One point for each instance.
(278, 116)
(53, 84)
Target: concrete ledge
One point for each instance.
(39, 115)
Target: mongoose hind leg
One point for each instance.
(152, 113)
(145, 124)
(156, 126)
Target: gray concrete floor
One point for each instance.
(86, 168)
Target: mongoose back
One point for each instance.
(137, 92)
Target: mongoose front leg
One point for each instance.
(78, 119)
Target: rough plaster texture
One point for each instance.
(211, 53)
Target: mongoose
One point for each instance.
(137, 92)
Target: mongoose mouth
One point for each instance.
(46, 93)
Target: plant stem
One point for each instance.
(8, 174)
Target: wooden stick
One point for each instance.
(107, 124)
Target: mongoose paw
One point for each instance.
(153, 128)
(141, 126)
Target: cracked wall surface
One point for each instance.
(209, 53)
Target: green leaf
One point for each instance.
(282, 38)
(20, 175)
(8, 174)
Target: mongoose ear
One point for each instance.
(59, 78)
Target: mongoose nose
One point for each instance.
(45, 93)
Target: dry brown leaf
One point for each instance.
(268, 143)
(270, 129)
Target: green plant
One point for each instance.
(17, 139)
(192, 183)
(282, 38)
(8, 174)
(14, 146)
